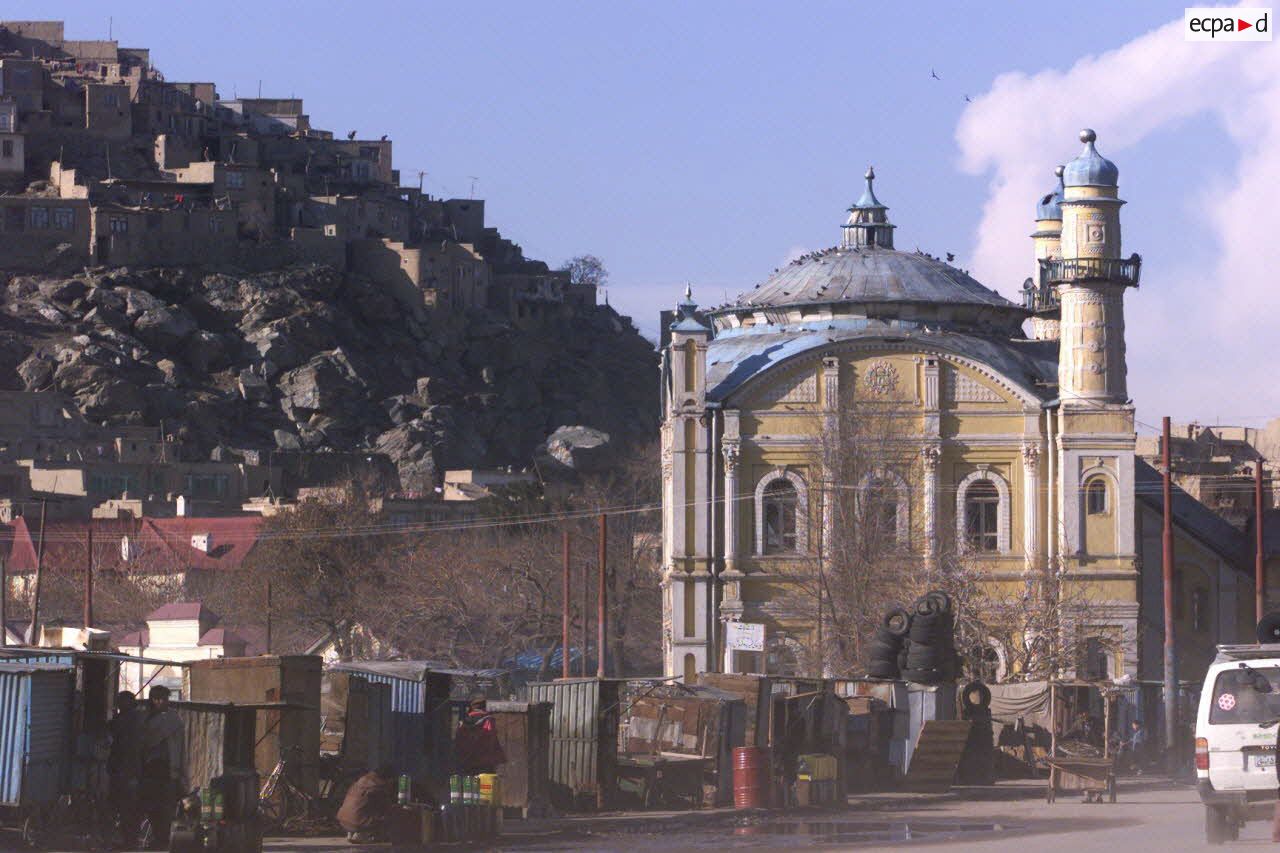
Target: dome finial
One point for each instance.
(871, 173)
(1058, 171)
(688, 291)
(1087, 135)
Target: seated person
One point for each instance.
(364, 811)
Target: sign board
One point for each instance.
(744, 636)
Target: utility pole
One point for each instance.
(268, 617)
(35, 599)
(88, 578)
(4, 598)
(1259, 555)
(586, 616)
(1170, 658)
(564, 610)
(602, 617)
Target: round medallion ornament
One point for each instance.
(882, 378)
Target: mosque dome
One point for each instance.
(865, 279)
(1050, 205)
(1090, 169)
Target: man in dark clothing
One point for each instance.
(476, 748)
(162, 755)
(363, 815)
(124, 765)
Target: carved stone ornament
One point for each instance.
(1030, 455)
(931, 455)
(881, 378)
(732, 454)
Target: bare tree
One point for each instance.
(586, 269)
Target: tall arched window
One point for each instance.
(780, 505)
(982, 517)
(1096, 502)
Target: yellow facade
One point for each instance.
(1008, 452)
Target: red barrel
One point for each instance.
(752, 774)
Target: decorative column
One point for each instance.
(1031, 505)
(731, 452)
(930, 457)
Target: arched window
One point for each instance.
(982, 513)
(780, 503)
(982, 517)
(1096, 499)
(884, 507)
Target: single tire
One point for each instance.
(923, 657)
(1215, 824)
(976, 695)
(921, 676)
(883, 635)
(924, 630)
(941, 600)
(878, 649)
(1269, 628)
(925, 606)
(897, 622)
(882, 669)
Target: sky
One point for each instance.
(710, 142)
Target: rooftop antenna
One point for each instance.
(259, 89)
(474, 180)
(111, 23)
(421, 175)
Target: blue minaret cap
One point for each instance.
(687, 314)
(1091, 169)
(1050, 206)
(868, 199)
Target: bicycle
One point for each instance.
(282, 805)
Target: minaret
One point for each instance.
(1038, 294)
(868, 225)
(1090, 279)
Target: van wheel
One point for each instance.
(1216, 819)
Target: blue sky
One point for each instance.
(705, 142)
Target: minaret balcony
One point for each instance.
(1123, 271)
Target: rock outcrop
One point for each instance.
(309, 357)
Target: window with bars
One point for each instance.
(780, 503)
(982, 517)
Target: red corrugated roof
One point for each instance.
(179, 610)
(157, 545)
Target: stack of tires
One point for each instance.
(886, 654)
(930, 653)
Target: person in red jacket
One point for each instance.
(476, 748)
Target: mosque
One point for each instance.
(1021, 440)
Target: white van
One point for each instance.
(1236, 730)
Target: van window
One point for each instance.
(1236, 700)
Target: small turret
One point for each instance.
(1039, 295)
(868, 224)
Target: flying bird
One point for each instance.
(968, 100)
(934, 74)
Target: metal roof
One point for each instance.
(1193, 517)
(734, 359)
(869, 275)
(1090, 169)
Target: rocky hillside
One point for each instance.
(309, 357)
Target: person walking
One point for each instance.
(162, 754)
(124, 766)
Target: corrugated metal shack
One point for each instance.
(293, 727)
(421, 730)
(677, 724)
(524, 729)
(584, 739)
(356, 721)
(35, 731)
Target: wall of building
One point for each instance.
(13, 159)
(32, 230)
(107, 111)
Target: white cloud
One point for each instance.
(1195, 335)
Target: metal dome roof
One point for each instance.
(868, 275)
(1050, 205)
(1091, 169)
